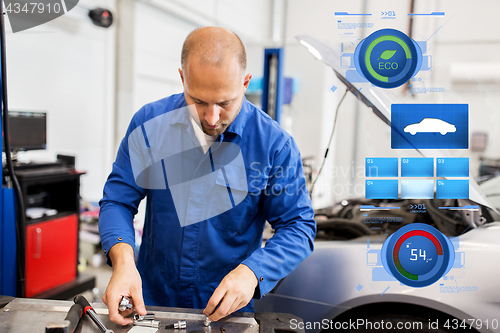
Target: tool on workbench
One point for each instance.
(181, 324)
(69, 323)
(88, 310)
(148, 323)
(125, 304)
(148, 316)
(147, 320)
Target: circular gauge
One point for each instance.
(388, 58)
(418, 255)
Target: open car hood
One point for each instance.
(380, 102)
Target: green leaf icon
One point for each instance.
(387, 54)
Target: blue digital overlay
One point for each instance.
(381, 189)
(381, 167)
(388, 58)
(373, 258)
(349, 14)
(459, 260)
(429, 126)
(417, 189)
(418, 255)
(429, 14)
(470, 208)
(368, 208)
(422, 44)
(452, 189)
(417, 167)
(353, 76)
(347, 60)
(452, 167)
(415, 261)
(381, 274)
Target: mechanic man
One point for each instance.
(217, 264)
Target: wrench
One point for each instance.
(87, 309)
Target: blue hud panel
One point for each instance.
(417, 189)
(381, 274)
(381, 189)
(452, 189)
(452, 167)
(381, 167)
(417, 167)
(429, 126)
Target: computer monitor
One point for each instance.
(27, 130)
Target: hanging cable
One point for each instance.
(21, 219)
(329, 142)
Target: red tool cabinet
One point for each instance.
(51, 254)
(51, 250)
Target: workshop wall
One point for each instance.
(66, 68)
(468, 65)
(161, 27)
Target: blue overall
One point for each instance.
(181, 266)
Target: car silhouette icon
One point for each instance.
(431, 125)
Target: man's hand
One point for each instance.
(234, 292)
(125, 281)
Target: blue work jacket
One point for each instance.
(182, 264)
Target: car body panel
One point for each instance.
(339, 267)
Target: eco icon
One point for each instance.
(387, 54)
(387, 58)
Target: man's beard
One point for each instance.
(222, 126)
(215, 131)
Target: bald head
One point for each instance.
(213, 46)
(213, 76)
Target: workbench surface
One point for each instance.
(23, 315)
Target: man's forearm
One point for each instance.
(121, 255)
(125, 281)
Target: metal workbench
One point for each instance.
(22, 315)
